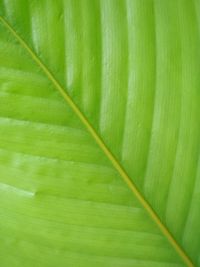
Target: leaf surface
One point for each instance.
(93, 93)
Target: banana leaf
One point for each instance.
(99, 133)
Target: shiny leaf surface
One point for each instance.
(99, 133)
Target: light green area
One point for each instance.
(133, 69)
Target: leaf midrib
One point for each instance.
(102, 145)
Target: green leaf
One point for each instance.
(99, 133)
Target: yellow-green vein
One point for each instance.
(103, 146)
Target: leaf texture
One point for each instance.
(132, 69)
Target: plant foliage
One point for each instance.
(99, 133)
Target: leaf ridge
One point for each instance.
(102, 145)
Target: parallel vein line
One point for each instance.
(103, 146)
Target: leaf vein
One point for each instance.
(102, 145)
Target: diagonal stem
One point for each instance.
(103, 146)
